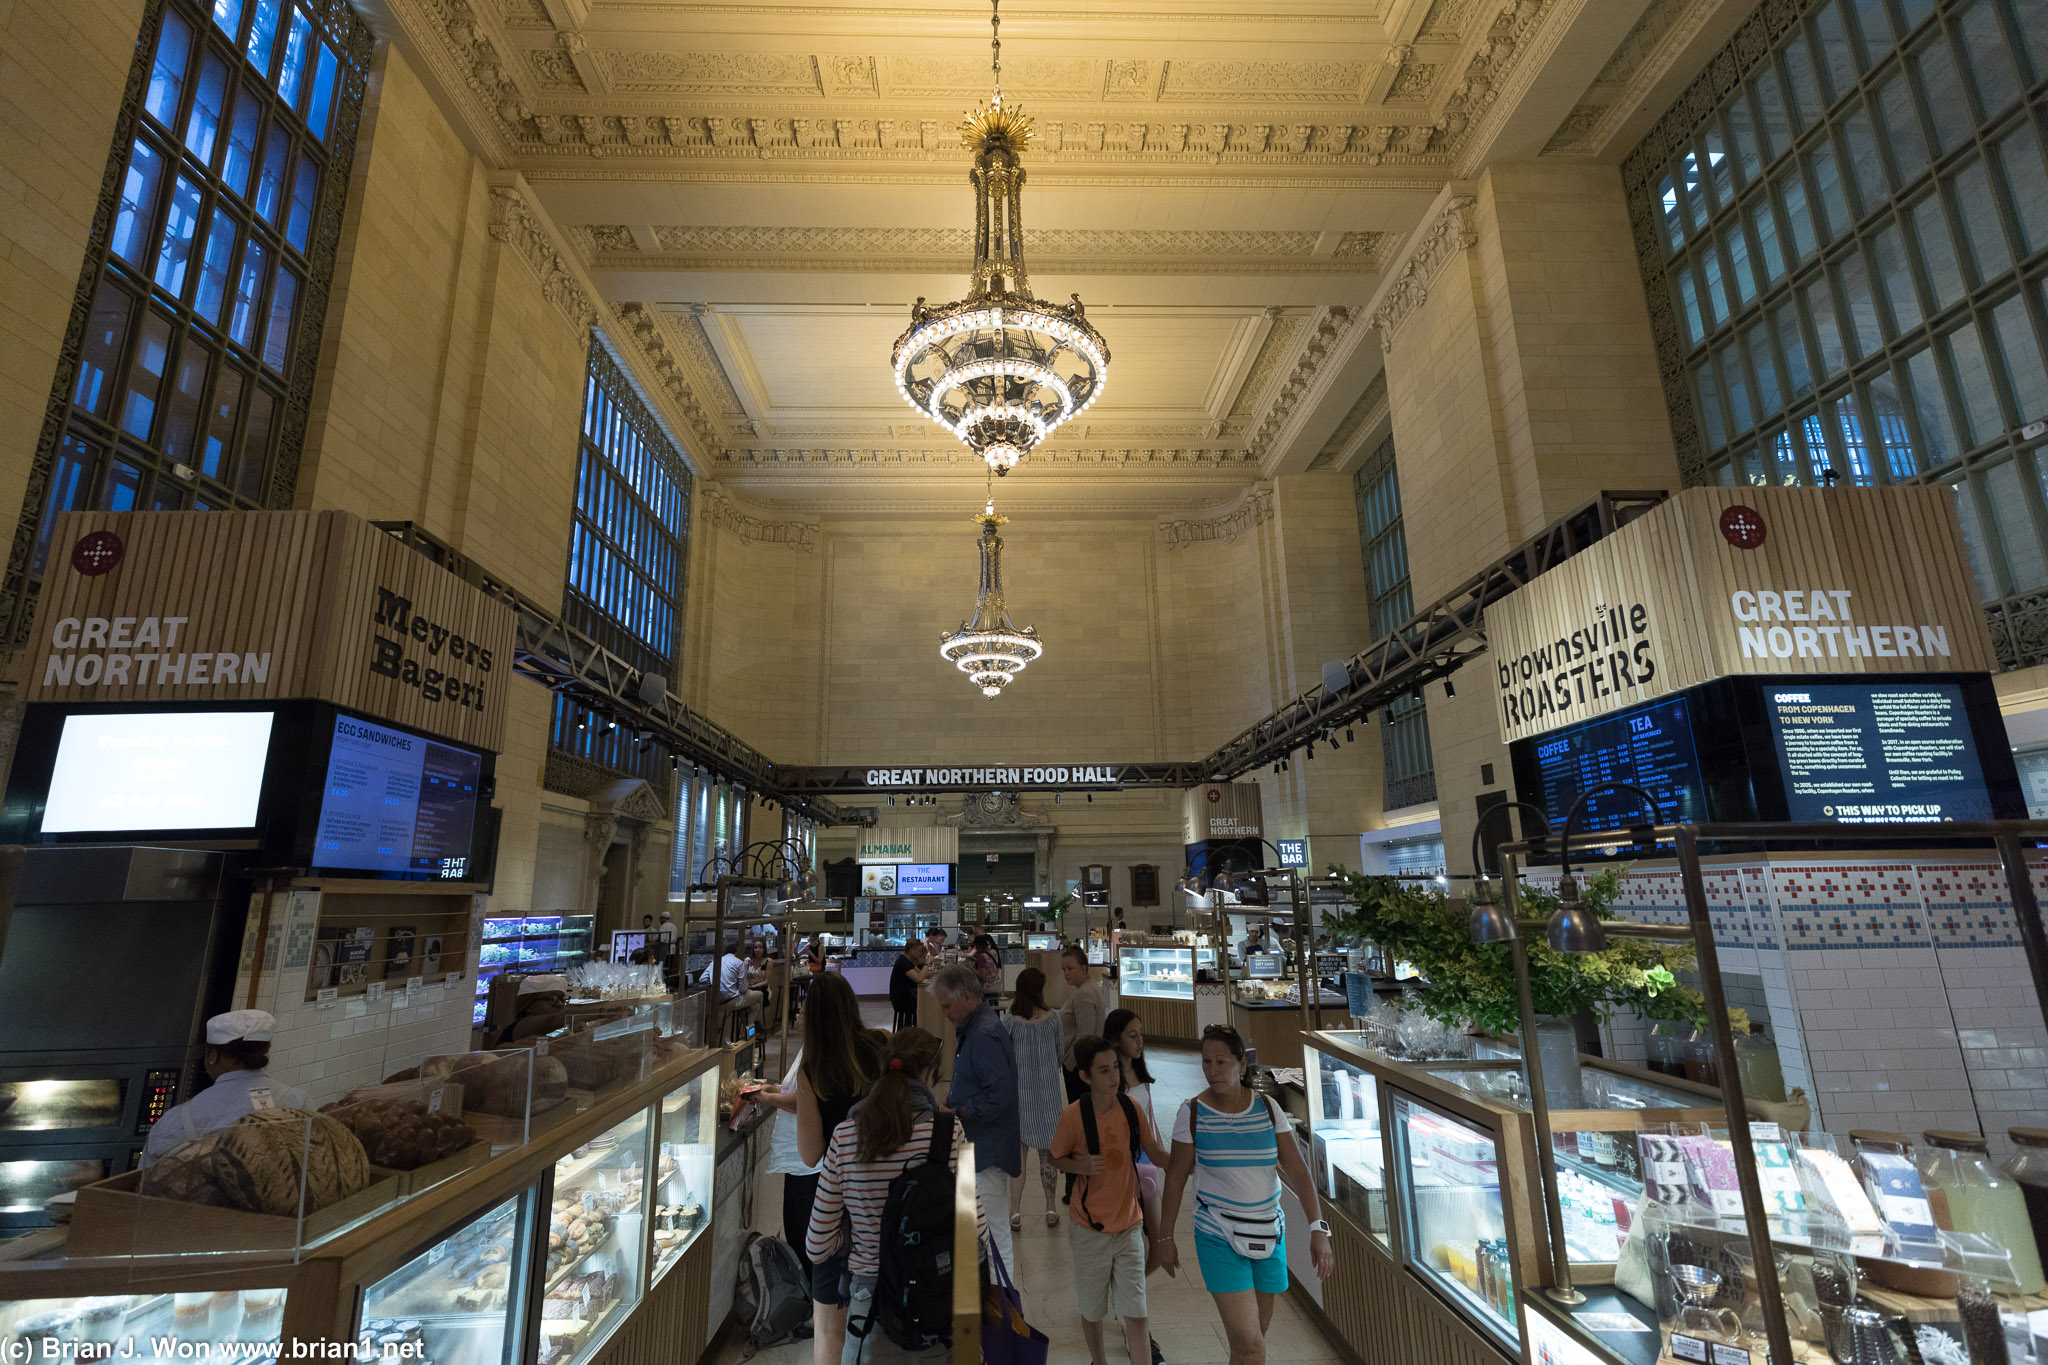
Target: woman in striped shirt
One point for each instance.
(889, 1132)
(1238, 1146)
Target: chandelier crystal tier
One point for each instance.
(989, 648)
(999, 369)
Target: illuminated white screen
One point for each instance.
(158, 770)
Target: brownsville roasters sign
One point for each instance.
(1720, 581)
(246, 606)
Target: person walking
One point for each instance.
(1086, 1012)
(1238, 1146)
(887, 1133)
(1127, 1036)
(984, 1094)
(835, 1071)
(1098, 1137)
(904, 980)
(987, 961)
(1038, 1042)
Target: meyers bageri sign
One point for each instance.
(1722, 581)
(265, 606)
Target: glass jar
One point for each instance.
(2028, 1166)
(1700, 1061)
(1756, 1063)
(1666, 1047)
(1982, 1199)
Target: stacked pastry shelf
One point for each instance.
(530, 943)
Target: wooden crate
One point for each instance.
(113, 1217)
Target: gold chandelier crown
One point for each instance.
(998, 368)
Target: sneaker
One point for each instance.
(1158, 1356)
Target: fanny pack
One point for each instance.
(1255, 1239)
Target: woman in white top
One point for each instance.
(1238, 1147)
(1127, 1035)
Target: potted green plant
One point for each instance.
(1473, 984)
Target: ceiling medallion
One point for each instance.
(999, 369)
(988, 648)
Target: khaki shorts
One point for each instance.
(1109, 1271)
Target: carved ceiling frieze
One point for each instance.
(1254, 509)
(515, 223)
(1326, 333)
(1278, 346)
(1448, 232)
(722, 512)
(1664, 31)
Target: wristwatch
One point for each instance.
(1321, 1225)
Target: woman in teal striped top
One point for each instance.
(1237, 1146)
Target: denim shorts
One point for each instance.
(828, 1281)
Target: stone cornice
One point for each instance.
(517, 223)
(1254, 509)
(1645, 57)
(1446, 232)
(1324, 345)
(646, 330)
(1502, 71)
(721, 511)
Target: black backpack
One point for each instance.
(772, 1297)
(914, 1288)
(1094, 1140)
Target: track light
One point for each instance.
(1091, 798)
(1415, 694)
(583, 722)
(1349, 737)
(1276, 770)
(1449, 691)
(1311, 752)
(1056, 797)
(892, 800)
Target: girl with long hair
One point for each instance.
(1126, 1034)
(1039, 1041)
(838, 1067)
(888, 1132)
(988, 965)
(1238, 1145)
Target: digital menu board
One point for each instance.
(1651, 746)
(397, 802)
(924, 879)
(1859, 753)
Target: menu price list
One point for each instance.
(397, 802)
(1866, 753)
(1651, 747)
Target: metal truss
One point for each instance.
(551, 652)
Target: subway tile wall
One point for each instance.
(1897, 992)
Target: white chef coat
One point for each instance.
(217, 1106)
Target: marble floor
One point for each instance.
(1183, 1317)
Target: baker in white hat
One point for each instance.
(237, 1053)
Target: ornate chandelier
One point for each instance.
(998, 368)
(988, 648)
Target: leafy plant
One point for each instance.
(1057, 908)
(1474, 983)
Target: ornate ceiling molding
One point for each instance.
(1255, 508)
(614, 246)
(1644, 58)
(1502, 68)
(1450, 228)
(939, 459)
(519, 225)
(722, 512)
(648, 331)
(1326, 333)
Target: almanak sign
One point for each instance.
(1723, 581)
(246, 606)
(909, 844)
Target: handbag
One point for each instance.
(1006, 1338)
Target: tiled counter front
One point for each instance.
(1897, 990)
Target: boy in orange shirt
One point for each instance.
(1098, 1138)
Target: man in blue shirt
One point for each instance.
(984, 1095)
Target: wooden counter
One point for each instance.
(1275, 1028)
(1165, 1019)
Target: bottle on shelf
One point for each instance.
(1756, 1062)
(1982, 1199)
(1701, 1064)
(1666, 1047)
(2028, 1166)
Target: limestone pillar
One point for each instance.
(1521, 381)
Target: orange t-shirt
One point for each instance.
(1112, 1197)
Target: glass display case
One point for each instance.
(530, 943)
(683, 1169)
(1167, 972)
(109, 1326)
(459, 1302)
(1042, 943)
(1599, 1160)
(1453, 1227)
(596, 1243)
(1346, 1139)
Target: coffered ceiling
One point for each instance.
(760, 190)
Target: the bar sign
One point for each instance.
(1293, 852)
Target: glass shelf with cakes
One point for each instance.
(460, 1300)
(1167, 972)
(596, 1241)
(141, 1326)
(683, 1169)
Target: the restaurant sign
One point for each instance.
(267, 606)
(1724, 581)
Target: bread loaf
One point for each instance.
(262, 1162)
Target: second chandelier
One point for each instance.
(999, 369)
